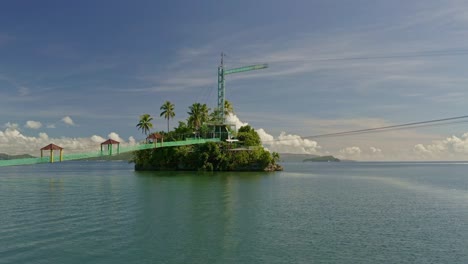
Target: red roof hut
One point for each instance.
(109, 144)
(52, 147)
(154, 137)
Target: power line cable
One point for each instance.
(434, 122)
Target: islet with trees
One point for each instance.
(244, 153)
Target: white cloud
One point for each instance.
(284, 143)
(12, 141)
(11, 125)
(50, 126)
(287, 143)
(97, 139)
(43, 136)
(234, 120)
(375, 150)
(351, 151)
(115, 136)
(449, 148)
(67, 120)
(131, 141)
(359, 153)
(33, 124)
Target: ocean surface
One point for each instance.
(105, 212)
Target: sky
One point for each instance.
(77, 72)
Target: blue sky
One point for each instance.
(82, 69)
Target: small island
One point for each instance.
(239, 150)
(322, 159)
(4, 156)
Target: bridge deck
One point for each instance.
(98, 153)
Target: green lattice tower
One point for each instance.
(222, 83)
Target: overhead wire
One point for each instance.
(427, 123)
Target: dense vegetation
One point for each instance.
(245, 155)
(206, 157)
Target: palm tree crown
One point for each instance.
(228, 109)
(168, 112)
(145, 123)
(198, 115)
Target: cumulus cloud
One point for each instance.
(287, 143)
(375, 150)
(12, 141)
(115, 136)
(67, 120)
(234, 120)
(284, 143)
(33, 124)
(50, 126)
(11, 125)
(351, 151)
(451, 147)
(97, 139)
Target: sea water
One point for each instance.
(105, 212)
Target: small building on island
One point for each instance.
(153, 138)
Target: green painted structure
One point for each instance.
(99, 153)
(222, 84)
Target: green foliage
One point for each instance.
(248, 136)
(228, 108)
(198, 115)
(145, 124)
(168, 112)
(215, 116)
(206, 157)
(209, 156)
(183, 130)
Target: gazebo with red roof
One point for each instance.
(109, 144)
(52, 147)
(155, 137)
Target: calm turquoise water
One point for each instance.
(104, 212)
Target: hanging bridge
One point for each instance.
(102, 153)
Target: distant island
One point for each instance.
(322, 159)
(4, 156)
(294, 157)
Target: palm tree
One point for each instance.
(228, 109)
(198, 115)
(145, 124)
(168, 112)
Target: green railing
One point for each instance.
(98, 153)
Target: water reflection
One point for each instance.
(197, 211)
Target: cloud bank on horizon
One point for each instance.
(13, 142)
(446, 149)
